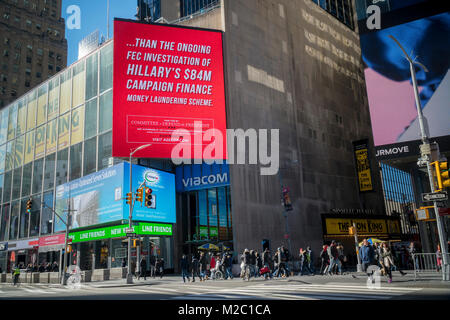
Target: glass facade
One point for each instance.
(188, 7)
(149, 10)
(57, 132)
(340, 9)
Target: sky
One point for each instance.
(93, 16)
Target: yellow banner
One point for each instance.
(29, 147)
(20, 148)
(363, 226)
(52, 136)
(63, 131)
(77, 125)
(363, 167)
(40, 142)
(31, 118)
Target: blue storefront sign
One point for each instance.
(100, 197)
(202, 176)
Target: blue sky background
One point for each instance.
(93, 16)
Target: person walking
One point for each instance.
(245, 265)
(334, 258)
(185, 268)
(267, 261)
(203, 263)
(438, 258)
(152, 262)
(281, 263)
(275, 262)
(228, 265)
(143, 271)
(55, 267)
(259, 264)
(342, 257)
(367, 254)
(16, 275)
(212, 267)
(324, 260)
(252, 263)
(413, 261)
(301, 260)
(387, 260)
(160, 267)
(288, 258)
(195, 268)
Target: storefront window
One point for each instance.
(203, 214)
(77, 125)
(46, 226)
(16, 183)
(14, 221)
(32, 104)
(29, 147)
(7, 187)
(101, 254)
(26, 180)
(53, 98)
(42, 105)
(39, 151)
(49, 173)
(12, 122)
(18, 154)
(118, 253)
(4, 222)
(35, 215)
(24, 217)
(105, 159)
(90, 125)
(91, 76)
(22, 117)
(66, 88)
(90, 147)
(106, 68)
(38, 175)
(79, 78)
(61, 167)
(212, 203)
(75, 161)
(105, 122)
(222, 198)
(2, 158)
(4, 125)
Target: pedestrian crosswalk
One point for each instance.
(212, 291)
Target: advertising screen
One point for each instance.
(99, 198)
(389, 87)
(167, 78)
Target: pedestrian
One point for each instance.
(387, 260)
(228, 265)
(245, 265)
(342, 257)
(334, 258)
(288, 258)
(252, 263)
(301, 260)
(160, 267)
(275, 262)
(152, 263)
(259, 264)
(267, 262)
(185, 268)
(16, 275)
(212, 267)
(195, 268)
(48, 267)
(55, 267)
(366, 254)
(30, 268)
(143, 267)
(413, 260)
(324, 260)
(42, 267)
(281, 263)
(438, 258)
(310, 260)
(203, 264)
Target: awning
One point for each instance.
(51, 248)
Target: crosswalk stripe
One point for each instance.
(336, 290)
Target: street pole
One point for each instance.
(358, 258)
(63, 280)
(129, 275)
(441, 231)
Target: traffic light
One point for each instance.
(442, 174)
(129, 198)
(140, 194)
(351, 231)
(148, 197)
(29, 205)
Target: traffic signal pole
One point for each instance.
(427, 159)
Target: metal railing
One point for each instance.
(428, 265)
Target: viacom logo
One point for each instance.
(392, 151)
(151, 177)
(205, 180)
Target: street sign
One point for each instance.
(436, 196)
(129, 230)
(131, 235)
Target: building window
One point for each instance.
(106, 68)
(90, 163)
(46, 225)
(340, 9)
(49, 173)
(105, 114)
(149, 10)
(90, 124)
(75, 161)
(91, 76)
(105, 159)
(38, 175)
(188, 7)
(26, 180)
(61, 167)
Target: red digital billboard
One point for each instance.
(167, 78)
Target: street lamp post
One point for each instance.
(426, 159)
(129, 275)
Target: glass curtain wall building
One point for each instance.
(149, 10)
(57, 132)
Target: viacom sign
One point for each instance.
(196, 177)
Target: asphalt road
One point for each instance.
(292, 288)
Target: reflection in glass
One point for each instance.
(24, 217)
(75, 161)
(4, 223)
(47, 214)
(16, 183)
(91, 76)
(38, 175)
(79, 77)
(61, 166)
(35, 215)
(14, 221)
(90, 147)
(105, 151)
(105, 121)
(26, 180)
(106, 68)
(90, 125)
(49, 174)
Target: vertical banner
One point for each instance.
(361, 152)
(168, 78)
